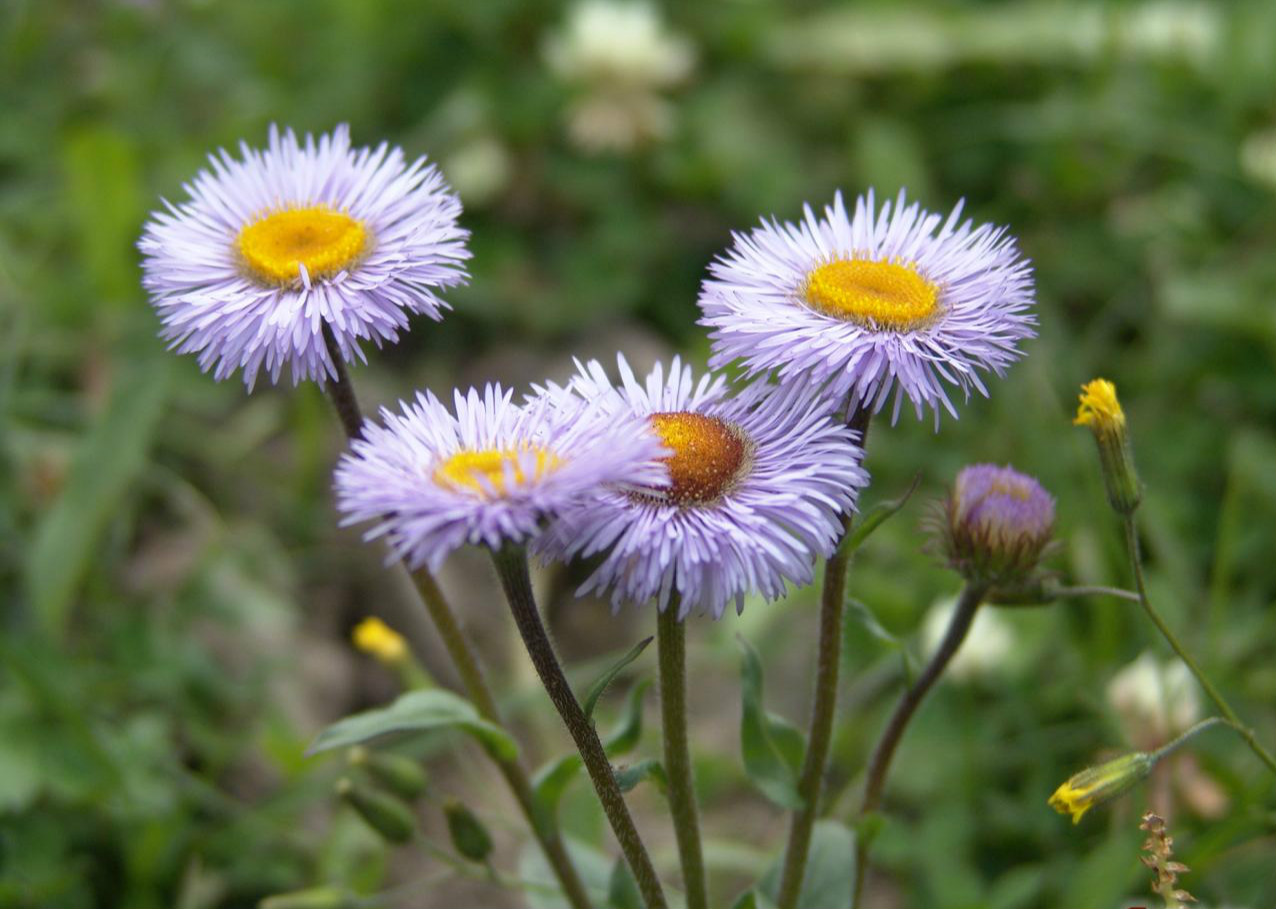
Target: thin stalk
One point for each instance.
(344, 400)
(880, 762)
(824, 704)
(341, 391)
(671, 640)
(1093, 591)
(1136, 562)
(511, 567)
(1171, 746)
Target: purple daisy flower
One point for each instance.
(757, 484)
(997, 522)
(489, 473)
(270, 248)
(893, 298)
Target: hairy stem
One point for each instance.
(511, 567)
(342, 394)
(880, 762)
(824, 705)
(1136, 563)
(671, 644)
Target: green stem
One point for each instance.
(671, 643)
(1172, 746)
(1094, 591)
(1136, 562)
(880, 762)
(511, 567)
(346, 403)
(824, 705)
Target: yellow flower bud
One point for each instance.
(376, 638)
(1101, 411)
(1101, 783)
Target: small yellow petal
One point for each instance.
(1099, 407)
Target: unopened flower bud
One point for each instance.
(1101, 783)
(402, 775)
(383, 812)
(1101, 411)
(469, 836)
(313, 898)
(996, 524)
(377, 639)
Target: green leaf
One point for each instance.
(104, 188)
(624, 738)
(545, 893)
(548, 786)
(764, 762)
(604, 681)
(829, 877)
(789, 741)
(753, 899)
(622, 890)
(629, 777)
(876, 516)
(105, 466)
(417, 711)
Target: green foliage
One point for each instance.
(604, 681)
(770, 767)
(414, 713)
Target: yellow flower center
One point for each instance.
(709, 455)
(468, 469)
(275, 246)
(876, 294)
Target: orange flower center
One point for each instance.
(709, 456)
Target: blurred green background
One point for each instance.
(177, 599)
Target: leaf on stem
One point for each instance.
(764, 761)
(604, 681)
(830, 869)
(876, 516)
(548, 786)
(416, 712)
(624, 738)
(629, 777)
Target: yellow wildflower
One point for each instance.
(1099, 784)
(376, 638)
(1101, 411)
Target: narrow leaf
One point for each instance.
(830, 869)
(876, 516)
(622, 890)
(415, 712)
(604, 681)
(548, 786)
(763, 761)
(629, 777)
(624, 738)
(107, 461)
(789, 741)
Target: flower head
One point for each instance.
(270, 249)
(377, 639)
(488, 473)
(1099, 784)
(757, 483)
(1101, 411)
(897, 298)
(997, 522)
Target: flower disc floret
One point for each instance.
(757, 485)
(299, 253)
(890, 299)
(486, 472)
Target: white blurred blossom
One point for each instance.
(1154, 700)
(618, 56)
(479, 169)
(1258, 157)
(988, 648)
